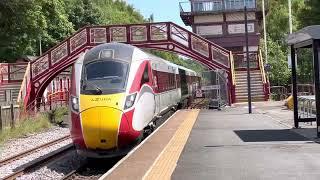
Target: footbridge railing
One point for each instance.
(165, 36)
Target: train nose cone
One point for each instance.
(100, 127)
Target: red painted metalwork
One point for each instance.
(12, 72)
(165, 36)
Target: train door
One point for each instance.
(183, 83)
(156, 88)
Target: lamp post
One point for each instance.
(40, 46)
(290, 17)
(265, 32)
(248, 59)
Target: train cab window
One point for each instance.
(145, 76)
(104, 75)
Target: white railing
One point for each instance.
(261, 64)
(216, 5)
(233, 72)
(24, 84)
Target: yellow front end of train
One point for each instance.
(100, 118)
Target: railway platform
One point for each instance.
(226, 144)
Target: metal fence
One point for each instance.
(214, 87)
(307, 106)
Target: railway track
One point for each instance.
(94, 169)
(40, 162)
(199, 103)
(33, 150)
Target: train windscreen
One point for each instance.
(104, 76)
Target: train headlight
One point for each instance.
(74, 104)
(130, 101)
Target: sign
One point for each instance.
(289, 61)
(210, 30)
(199, 93)
(211, 87)
(267, 67)
(240, 28)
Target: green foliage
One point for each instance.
(278, 29)
(24, 23)
(58, 26)
(57, 115)
(278, 18)
(310, 14)
(21, 22)
(26, 127)
(117, 12)
(305, 66)
(174, 58)
(82, 13)
(277, 58)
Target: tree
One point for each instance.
(82, 13)
(310, 14)
(58, 26)
(279, 74)
(118, 12)
(174, 58)
(21, 22)
(277, 31)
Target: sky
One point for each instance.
(162, 10)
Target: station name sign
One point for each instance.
(211, 87)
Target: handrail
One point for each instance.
(24, 83)
(9, 72)
(174, 35)
(59, 94)
(264, 80)
(233, 72)
(88, 28)
(51, 100)
(217, 5)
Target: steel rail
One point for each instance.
(31, 151)
(73, 173)
(41, 161)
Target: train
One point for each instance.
(118, 92)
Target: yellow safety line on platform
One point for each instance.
(166, 162)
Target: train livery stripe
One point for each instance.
(100, 117)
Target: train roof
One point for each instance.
(127, 53)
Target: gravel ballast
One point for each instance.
(19, 145)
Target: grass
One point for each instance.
(26, 127)
(34, 124)
(56, 116)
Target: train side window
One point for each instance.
(145, 76)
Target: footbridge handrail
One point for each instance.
(233, 71)
(261, 64)
(165, 36)
(264, 76)
(136, 34)
(24, 84)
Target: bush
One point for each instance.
(56, 116)
(27, 126)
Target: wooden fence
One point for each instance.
(9, 115)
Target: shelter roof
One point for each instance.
(305, 35)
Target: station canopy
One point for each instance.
(308, 37)
(304, 37)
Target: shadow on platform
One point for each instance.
(269, 135)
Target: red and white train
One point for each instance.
(118, 91)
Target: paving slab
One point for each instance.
(231, 144)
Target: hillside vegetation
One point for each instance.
(23, 24)
(305, 13)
